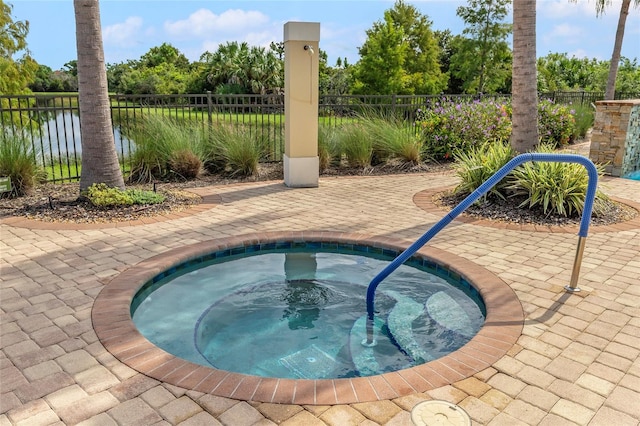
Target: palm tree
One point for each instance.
(617, 46)
(99, 157)
(227, 72)
(524, 134)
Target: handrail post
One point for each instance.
(573, 284)
(470, 199)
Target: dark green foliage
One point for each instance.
(47, 80)
(242, 69)
(559, 72)
(451, 127)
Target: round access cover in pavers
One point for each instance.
(429, 413)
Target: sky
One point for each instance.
(130, 28)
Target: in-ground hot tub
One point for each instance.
(240, 342)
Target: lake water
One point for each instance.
(61, 135)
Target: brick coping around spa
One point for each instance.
(209, 201)
(424, 201)
(113, 324)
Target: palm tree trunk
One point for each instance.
(99, 157)
(617, 48)
(524, 134)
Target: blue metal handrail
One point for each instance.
(479, 192)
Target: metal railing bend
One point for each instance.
(471, 198)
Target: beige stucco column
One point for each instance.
(301, 164)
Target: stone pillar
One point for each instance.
(301, 162)
(615, 139)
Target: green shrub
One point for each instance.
(18, 162)
(159, 143)
(583, 116)
(478, 164)
(101, 195)
(145, 197)
(357, 145)
(555, 188)
(451, 127)
(558, 188)
(556, 124)
(234, 151)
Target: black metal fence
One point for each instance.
(52, 125)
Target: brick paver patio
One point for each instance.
(576, 361)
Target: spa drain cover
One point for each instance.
(431, 413)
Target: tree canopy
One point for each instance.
(240, 68)
(617, 46)
(559, 72)
(482, 58)
(400, 55)
(17, 68)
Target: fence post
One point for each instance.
(393, 105)
(210, 108)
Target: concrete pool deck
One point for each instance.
(576, 361)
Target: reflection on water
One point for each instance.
(61, 134)
(302, 294)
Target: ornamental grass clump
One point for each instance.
(234, 151)
(392, 140)
(18, 162)
(584, 117)
(166, 149)
(328, 147)
(357, 145)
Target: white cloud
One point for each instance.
(204, 23)
(123, 34)
(579, 53)
(569, 34)
(261, 38)
(556, 9)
